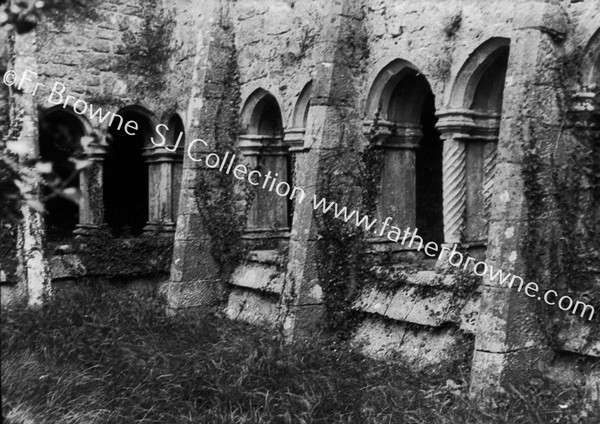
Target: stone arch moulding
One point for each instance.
(146, 127)
(85, 123)
(294, 136)
(382, 87)
(302, 105)
(470, 74)
(253, 107)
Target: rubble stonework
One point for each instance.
(467, 104)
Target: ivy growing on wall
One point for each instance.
(148, 48)
(224, 203)
(562, 188)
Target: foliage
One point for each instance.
(103, 255)
(24, 15)
(452, 24)
(97, 355)
(222, 204)
(148, 49)
(562, 189)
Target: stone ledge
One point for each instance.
(259, 276)
(264, 256)
(251, 307)
(410, 304)
(423, 348)
(66, 266)
(419, 278)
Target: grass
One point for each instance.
(99, 355)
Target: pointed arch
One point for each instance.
(300, 113)
(478, 75)
(402, 102)
(261, 114)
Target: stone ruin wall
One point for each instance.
(280, 46)
(87, 51)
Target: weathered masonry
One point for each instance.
(475, 122)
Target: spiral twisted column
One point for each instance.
(489, 169)
(454, 188)
(453, 126)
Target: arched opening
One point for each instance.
(60, 140)
(429, 175)
(126, 176)
(273, 210)
(411, 183)
(300, 115)
(488, 89)
(266, 151)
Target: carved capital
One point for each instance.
(392, 135)
(294, 139)
(162, 154)
(468, 125)
(96, 151)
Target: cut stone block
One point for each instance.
(259, 276)
(420, 348)
(409, 304)
(252, 307)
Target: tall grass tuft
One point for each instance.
(102, 355)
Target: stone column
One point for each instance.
(34, 271)
(91, 206)
(294, 139)
(196, 279)
(453, 127)
(161, 163)
(459, 130)
(509, 341)
(250, 146)
(331, 116)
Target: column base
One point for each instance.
(89, 230)
(159, 228)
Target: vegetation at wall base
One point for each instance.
(97, 354)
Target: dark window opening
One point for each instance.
(429, 177)
(273, 210)
(60, 139)
(126, 178)
(490, 89)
